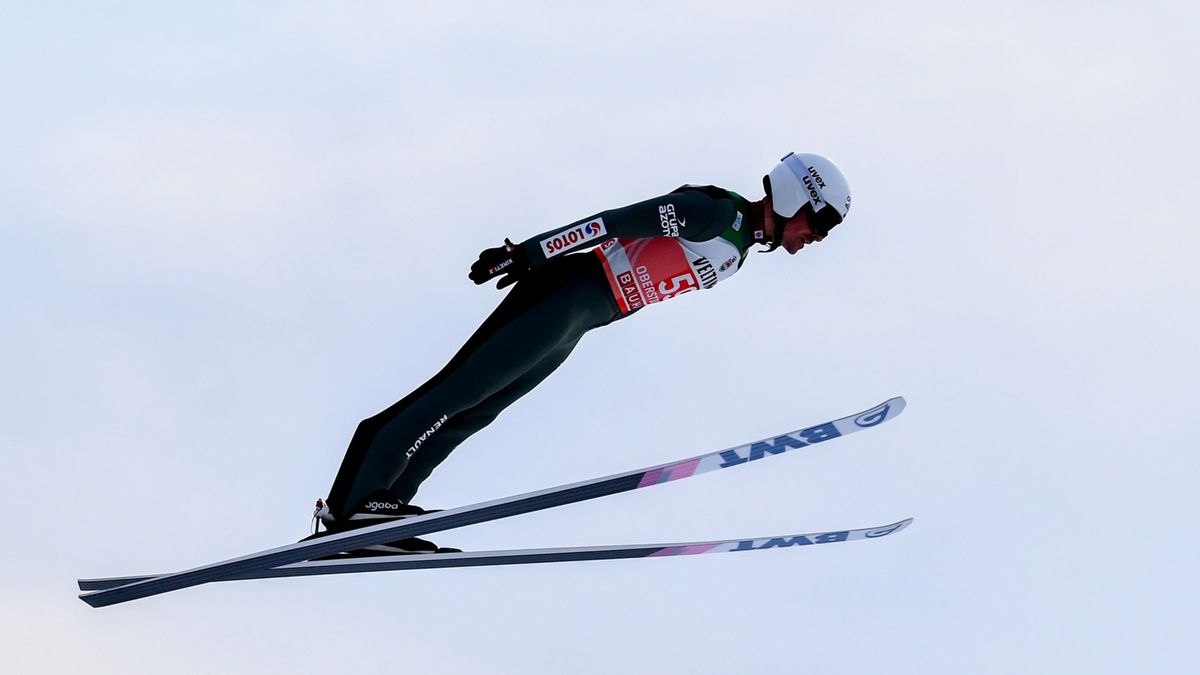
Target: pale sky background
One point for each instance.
(229, 231)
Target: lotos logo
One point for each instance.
(873, 417)
(578, 234)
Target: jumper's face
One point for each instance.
(798, 232)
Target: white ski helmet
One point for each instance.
(809, 179)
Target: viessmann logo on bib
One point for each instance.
(560, 243)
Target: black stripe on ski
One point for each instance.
(390, 563)
(501, 508)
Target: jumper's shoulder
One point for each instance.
(722, 209)
(711, 191)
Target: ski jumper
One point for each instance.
(648, 252)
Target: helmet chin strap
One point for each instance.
(776, 241)
(760, 235)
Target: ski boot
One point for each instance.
(379, 507)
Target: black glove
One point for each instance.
(509, 261)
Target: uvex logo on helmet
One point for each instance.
(814, 195)
(817, 176)
(806, 178)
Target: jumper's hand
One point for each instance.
(508, 261)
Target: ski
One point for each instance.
(529, 556)
(500, 508)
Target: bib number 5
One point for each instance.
(681, 283)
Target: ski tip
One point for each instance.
(884, 531)
(889, 409)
